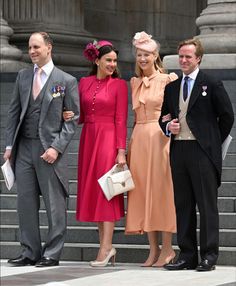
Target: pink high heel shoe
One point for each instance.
(111, 255)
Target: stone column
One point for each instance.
(62, 19)
(10, 56)
(217, 25)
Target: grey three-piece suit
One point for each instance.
(32, 127)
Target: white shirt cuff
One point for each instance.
(168, 133)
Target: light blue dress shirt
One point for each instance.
(192, 77)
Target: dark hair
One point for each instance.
(47, 39)
(198, 45)
(103, 51)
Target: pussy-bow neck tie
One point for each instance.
(144, 82)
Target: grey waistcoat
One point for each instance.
(29, 128)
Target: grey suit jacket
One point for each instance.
(53, 130)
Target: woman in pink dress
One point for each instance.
(103, 113)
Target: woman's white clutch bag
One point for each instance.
(116, 181)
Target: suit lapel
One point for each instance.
(27, 90)
(176, 92)
(196, 91)
(47, 98)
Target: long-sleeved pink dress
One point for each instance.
(103, 112)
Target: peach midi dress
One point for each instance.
(151, 204)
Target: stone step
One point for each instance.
(226, 220)
(9, 201)
(2, 133)
(89, 234)
(232, 147)
(230, 160)
(233, 130)
(225, 204)
(228, 173)
(130, 121)
(75, 140)
(74, 145)
(4, 110)
(226, 189)
(125, 253)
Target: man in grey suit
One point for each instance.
(36, 140)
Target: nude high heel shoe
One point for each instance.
(111, 255)
(163, 262)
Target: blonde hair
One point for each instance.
(157, 64)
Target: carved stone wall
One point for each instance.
(168, 21)
(61, 18)
(75, 22)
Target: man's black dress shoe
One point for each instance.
(46, 262)
(21, 261)
(206, 265)
(180, 265)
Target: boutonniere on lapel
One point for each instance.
(204, 88)
(58, 90)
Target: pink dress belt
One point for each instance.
(99, 118)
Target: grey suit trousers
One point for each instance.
(34, 176)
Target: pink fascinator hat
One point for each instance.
(91, 51)
(144, 42)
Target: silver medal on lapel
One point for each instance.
(204, 88)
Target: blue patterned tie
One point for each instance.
(185, 88)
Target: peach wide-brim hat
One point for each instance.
(143, 41)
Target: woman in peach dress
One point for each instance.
(151, 204)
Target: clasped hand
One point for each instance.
(68, 115)
(50, 155)
(174, 126)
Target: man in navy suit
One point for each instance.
(201, 119)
